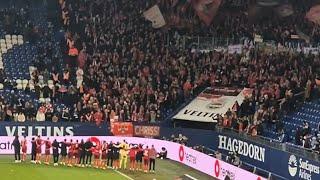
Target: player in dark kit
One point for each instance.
(16, 145)
(82, 153)
(116, 155)
(88, 147)
(24, 148)
(110, 155)
(55, 152)
(33, 150)
(63, 148)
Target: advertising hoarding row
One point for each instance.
(52, 129)
(182, 154)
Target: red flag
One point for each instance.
(206, 9)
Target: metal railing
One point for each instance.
(212, 42)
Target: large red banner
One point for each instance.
(122, 129)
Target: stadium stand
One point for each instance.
(101, 61)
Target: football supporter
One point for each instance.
(24, 148)
(152, 155)
(16, 145)
(146, 158)
(39, 143)
(55, 152)
(47, 151)
(63, 152)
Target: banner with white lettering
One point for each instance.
(52, 129)
(281, 163)
(311, 50)
(210, 103)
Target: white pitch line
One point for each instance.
(190, 177)
(124, 175)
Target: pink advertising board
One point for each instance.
(185, 155)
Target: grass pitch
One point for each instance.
(165, 170)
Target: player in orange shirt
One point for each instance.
(47, 151)
(24, 148)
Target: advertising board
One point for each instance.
(182, 154)
(52, 129)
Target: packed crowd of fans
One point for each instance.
(117, 67)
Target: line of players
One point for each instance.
(111, 155)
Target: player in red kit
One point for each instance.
(47, 144)
(132, 156)
(24, 148)
(76, 153)
(96, 153)
(70, 153)
(146, 159)
(39, 144)
(104, 148)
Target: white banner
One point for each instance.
(312, 50)
(182, 154)
(155, 16)
(235, 49)
(210, 103)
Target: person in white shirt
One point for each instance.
(40, 116)
(21, 117)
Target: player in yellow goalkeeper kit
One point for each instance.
(124, 150)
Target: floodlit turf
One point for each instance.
(166, 170)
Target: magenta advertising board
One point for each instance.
(182, 154)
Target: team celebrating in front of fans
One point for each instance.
(74, 153)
